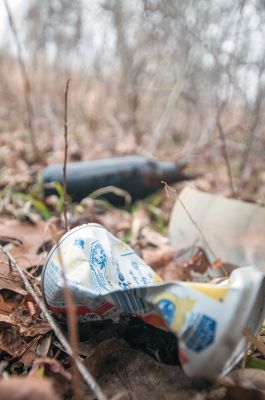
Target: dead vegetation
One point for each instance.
(163, 116)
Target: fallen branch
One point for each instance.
(88, 378)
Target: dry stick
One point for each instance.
(65, 155)
(167, 188)
(72, 328)
(224, 103)
(88, 378)
(113, 189)
(72, 322)
(252, 131)
(249, 336)
(173, 97)
(27, 86)
(225, 154)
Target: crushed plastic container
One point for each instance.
(107, 279)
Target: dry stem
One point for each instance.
(72, 324)
(68, 295)
(249, 336)
(65, 155)
(225, 153)
(225, 102)
(167, 188)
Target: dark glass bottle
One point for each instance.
(138, 175)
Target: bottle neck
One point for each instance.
(168, 171)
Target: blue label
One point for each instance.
(98, 258)
(98, 264)
(80, 243)
(168, 310)
(204, 334)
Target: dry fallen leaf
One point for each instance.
(241, 393)
(152, 237)
(115, 221)
(5, 307)
(174, 272)
(13, 342)
(158, 258)
(18, 388)
(140, 219)
(199, 262)
(11, 281)
(51, 368)
(19, 331)
(29, 239)
(248, 378)
(40, 328)
(171, 266)
(29, 355)
(121, 369)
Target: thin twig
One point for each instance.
(72, 324)
(115, 190)
(26, 81)
(249, 336)
(169, 188)
(65, 155)
(88, 378)
(68, 295)
(225, 154)
(174, 95)
(224, 103)
(257, 115)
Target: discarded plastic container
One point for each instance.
(137, 175)
(229, 229)
(107, 279)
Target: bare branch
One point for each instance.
(173, 97)
(224, 103)
(26, 81)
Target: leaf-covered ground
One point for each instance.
(129, 359)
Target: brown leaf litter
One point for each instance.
(26, 241)
(22, 388)
(120, 368)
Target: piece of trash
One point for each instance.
(107, 279)
(136, 175)
(227, 229)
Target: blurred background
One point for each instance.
(165, 78)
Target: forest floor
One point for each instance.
(128, 358)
